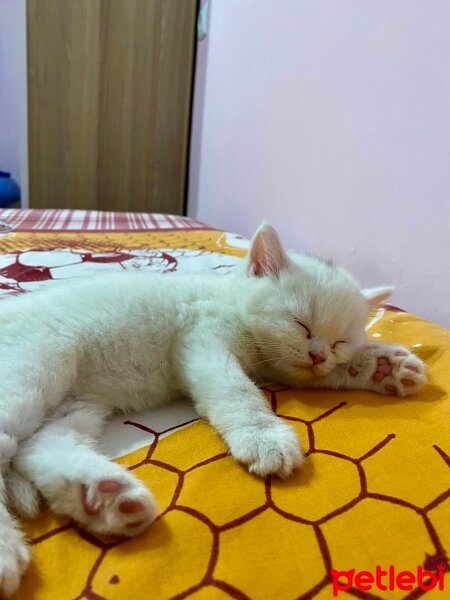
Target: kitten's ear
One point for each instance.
(376, 296)
(266, 255)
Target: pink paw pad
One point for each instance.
(92, 504)
(353, 372)
(129, 507)
(390, 388)
(384, 368)
(109, 485)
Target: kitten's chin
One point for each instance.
(302, 372)
(299, 373)
(294, 374)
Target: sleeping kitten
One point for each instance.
(72, 354)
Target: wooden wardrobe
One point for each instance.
(109, 93)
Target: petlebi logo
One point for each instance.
(388, 579)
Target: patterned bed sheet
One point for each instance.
(374, 492)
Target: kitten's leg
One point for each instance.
(28, 388)
(14, 551)
(21, 412)
(378, 367)
(232, 403)
(77, 481)
(22, 497)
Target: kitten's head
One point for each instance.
(306, 314)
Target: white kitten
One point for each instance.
(72, 354)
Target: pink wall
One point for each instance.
(13, 92)
(332, 120)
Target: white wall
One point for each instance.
(332, 120)
(13, 92)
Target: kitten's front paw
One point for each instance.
(267, 449)
(14, 558)
(395, 370)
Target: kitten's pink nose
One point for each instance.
(316, 358)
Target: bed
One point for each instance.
(375, 489)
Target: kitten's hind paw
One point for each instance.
(14, 558)
(267, 449)
(116, 504)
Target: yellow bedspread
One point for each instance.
(374, 489)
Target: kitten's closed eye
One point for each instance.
(338, 342)
(306, 329)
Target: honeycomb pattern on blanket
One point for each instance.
(374, 491)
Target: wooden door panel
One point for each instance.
(109, 102)
(63, 80)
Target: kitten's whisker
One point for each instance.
(267, 360)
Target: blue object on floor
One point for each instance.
(9, 190)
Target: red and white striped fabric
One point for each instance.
(88, 220)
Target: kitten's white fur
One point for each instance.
(72, 354)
